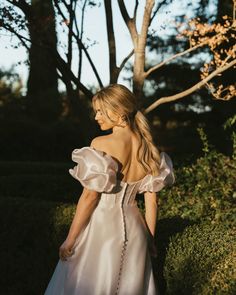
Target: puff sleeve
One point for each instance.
(166, 176)
(95, 169)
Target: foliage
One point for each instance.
(41, 187)
(31, 232)
(202, 261)
(165, 229)
(231, 122)
(205, 189)
(11, 101)
(220, 39)
(36, 180)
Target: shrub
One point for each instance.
(206, 189)
(165, 229)
(202, 261)
(34, 180)
(10, 168)
(31, 232)
(41, 187)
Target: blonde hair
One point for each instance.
(121, 101)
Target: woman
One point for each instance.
(109, 245)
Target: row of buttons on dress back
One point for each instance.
(124, 242)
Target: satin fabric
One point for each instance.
(111, 254)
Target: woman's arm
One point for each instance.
(151, 202)
(85, 207)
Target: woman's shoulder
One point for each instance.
(100, 141)
(105, 143)
(95, 168)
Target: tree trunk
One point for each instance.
(138, 77)
(43, 97)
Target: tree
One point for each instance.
(201, 35)
(217, 38)
(42, 85)
(39, 21)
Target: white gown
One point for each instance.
(111, 255)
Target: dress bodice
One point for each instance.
(96, 170)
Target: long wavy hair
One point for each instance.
(121, 101)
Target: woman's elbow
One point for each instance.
(150, 197)
(91, 196)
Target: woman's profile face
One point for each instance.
(102, 120)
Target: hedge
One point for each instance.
(31, 233)
(41, 187)
(202, 261)
(10, 168)
(205, 189)
(35, 180)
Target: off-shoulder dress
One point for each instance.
(111, 255)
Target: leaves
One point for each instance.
(204, 190)
(201, 260)
(220, 40)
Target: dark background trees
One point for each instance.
(46, 111)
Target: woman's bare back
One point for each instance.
(123, 147)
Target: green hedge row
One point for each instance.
(41, 187)
(204, 190)
(202, 261)
(10, 168)
(31, 233)
(35, 180)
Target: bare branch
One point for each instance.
(147, 73)
(80, 34)
(62, 65)
(70, 35)
(157, 9)
(125, 61)
(146, 21)
(70, 28)
(234, 9)
(124, 12)
(63, 68)
(135, 10)
(207, 41)
(23, 5)
(191, 89)
(79, 42)
(130, 22)
(20, 37)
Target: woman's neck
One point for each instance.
(117, 130)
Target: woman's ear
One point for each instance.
(122, 121)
